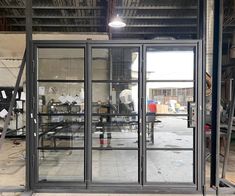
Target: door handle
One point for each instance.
(191, 114)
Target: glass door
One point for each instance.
(170, 114)
(115, 114)
(60, 114)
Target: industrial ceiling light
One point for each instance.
(117, 22)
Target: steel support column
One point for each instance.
(216, 92)
(29, 91)
(202, 36)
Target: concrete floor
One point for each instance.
(231, 165)
(66, 194)
(122, 165)
(113, 165)
(76, 194)
(88, 194)
(12, 164)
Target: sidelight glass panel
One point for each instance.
(61, 64)
(170, 166)
(115, 63)
(170, 63)
(115, 166)
(62, 165)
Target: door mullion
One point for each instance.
(140, 135)
(143, 102)
(88, 116)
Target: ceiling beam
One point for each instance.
(153, 32)
(58, 25)
(11, 7)
(160, 25)
(100, 25)
(229, 25)
(156, 7)
(54, 17)
(102, 17)
(158, 17)
(55, 7)
(101, 7)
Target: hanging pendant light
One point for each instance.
(117, 22)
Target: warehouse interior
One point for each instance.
(97, 109)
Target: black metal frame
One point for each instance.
(31, 145)
(216, 93)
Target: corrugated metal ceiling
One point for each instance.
(146, 19)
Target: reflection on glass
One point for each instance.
(60, 98)
(63, 165)
(115, 166)
(170, 166)
(117, 131)
(115, 98)
(61, 131)
(168, 132)
(163, 64)
(115, 64)
(169, 97)
(61, 63)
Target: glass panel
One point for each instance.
(168, 132)
(115, 98)
(115, 166)
(62, 165)
(61, 131)
(170, 166)
(117, 131)
(56, 101)
(115, 63)
(169, 97)
(61, 63)
(169, 63)
(61, 98)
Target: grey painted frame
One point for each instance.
(87, 186)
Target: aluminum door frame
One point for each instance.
(32, 165)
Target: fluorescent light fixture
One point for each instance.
(117, 22)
